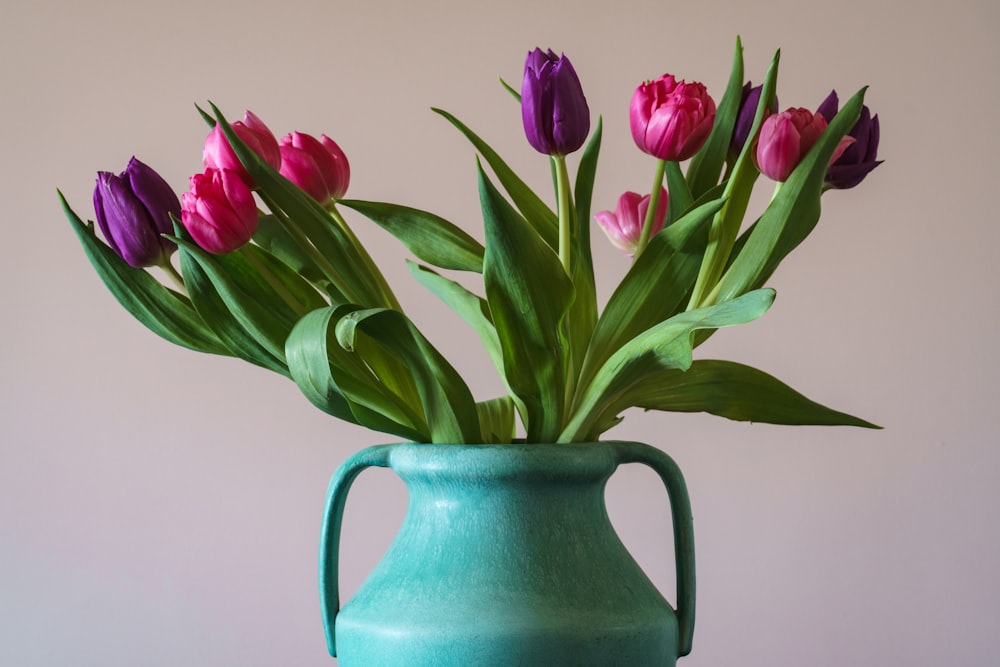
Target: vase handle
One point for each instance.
(680, 508)
(329, 546)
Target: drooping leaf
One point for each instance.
(447, 403)
(666, 346)
(274, 238)
(529, 295)
(430, 237)
(340, 384)
(163, 311)
(735, 391)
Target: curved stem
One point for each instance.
(654, 202)
(381, 283)
(566, 218)
(174, 275)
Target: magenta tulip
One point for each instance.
(219, 211)
(218, 154)
(318, 166)
(671, 120)
(786, 137)
(624, 226)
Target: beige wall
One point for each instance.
(158, 507)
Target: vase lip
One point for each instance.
(579, 461)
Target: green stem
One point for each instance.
(273, 281)
(321, 262)
(566, 217)
(385, 292)
(174, 276)
(654, 201)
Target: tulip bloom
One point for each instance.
(218, 154)
(318, 166)
(554, 111)
(785, 138)
(133, 211)
(624, 226)
(671, 120)
(860, 157)
(219, 211)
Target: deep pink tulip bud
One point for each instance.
(218, 154)
(671, 119)
(786, 137)
(624, 225)
(219, 211)
(318, 166)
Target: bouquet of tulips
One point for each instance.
(270, 271)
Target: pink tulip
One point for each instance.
(218, 154)
(786, 137)
(624, 225)
(219, 211)
(318, 166)
(671, 120)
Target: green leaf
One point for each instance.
(163, 311)
(655, 287)
(496, 419)
(739, 188)
(706, 166)
(583, 312)
(534, 210)
(680, 199)
(431, 238)
(529, 295)
(340, 384)
(735, 391)
(344, 260)
(271, 236)
(793, 213)
(666, 346)
(447, 403)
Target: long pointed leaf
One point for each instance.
(735, 391)
(430, 237)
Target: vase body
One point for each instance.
(507, 557)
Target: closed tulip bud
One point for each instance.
(318, 166)
(218, 154)
(624, 226)
(744, 119)
(555, 112)
(861, 156)
(671, 120)
(133, 211)
(219, 211)
(786, 137)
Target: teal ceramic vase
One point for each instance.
(507, 557)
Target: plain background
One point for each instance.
(160, 507)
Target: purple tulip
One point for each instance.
(555, 112)
(624, 226)
(749, 101)
(318, 166)
(219, 211)
(671, 119)
(133, 211)
(860, 157)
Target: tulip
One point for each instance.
(671, 120)
(785, 138)
(218, 154)
(860, 157)
(219, 211)
(555, 112)
(133, 211)
(624, 226)
(749, 101)
(318, 166)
